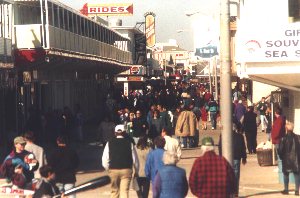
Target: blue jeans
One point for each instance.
(213, 119)
(279, 161)
(236, 168)
(186, 141)
(286, 180)
(64, 187)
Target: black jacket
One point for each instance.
(289, 152)
(45, 188)
(250, 126)
(139, 127)
(239, 147)
(64, 161)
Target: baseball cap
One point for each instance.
(207, 141)
(119, 128)
(19, 140)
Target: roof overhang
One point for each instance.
(280, 74)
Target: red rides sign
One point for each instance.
(107, 9)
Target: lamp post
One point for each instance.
(165, 72)
(225, 60)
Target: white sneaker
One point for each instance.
(212, 128)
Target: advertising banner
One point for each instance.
(150, 29)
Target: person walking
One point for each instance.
(239, 111)
(250, 128)
(19, 166)
(143, 149)
(106, 130)
(212, 108)
(211, 174)
(186, 127)
(262, 107)
(269, 116)
(129, 124)
(140, 126)
(172, 145)
(170, 180)
(289, 153)
(278, 128)
(239, 153)
(156, 125)
(203, 118)
(64, 161)
(154, 159)
(119, 158)
(38, 151)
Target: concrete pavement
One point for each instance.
(255, 181)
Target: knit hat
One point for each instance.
(19, 140)
(207, 141)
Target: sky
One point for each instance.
(171, 21)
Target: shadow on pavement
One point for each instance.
(265, 193)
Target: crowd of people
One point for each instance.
(211, 174)
(143, 135)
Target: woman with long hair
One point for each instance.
(142, 149)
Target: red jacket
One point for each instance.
(278, 129)
(212, 176)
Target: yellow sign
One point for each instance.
(150, 29)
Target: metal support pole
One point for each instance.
(165, 73)
(226, 104)
(216, 78)
(209, 76)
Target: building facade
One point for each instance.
(52, 57)
(267, 50)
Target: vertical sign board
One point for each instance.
(126, 89)
(150, 29)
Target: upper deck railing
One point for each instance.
(31, 37)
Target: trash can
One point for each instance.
(264, 157)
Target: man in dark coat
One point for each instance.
(140, 126)
(250, 128)
(239, 153)
(64, 162)
(289, 153)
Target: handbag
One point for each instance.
(134, 184)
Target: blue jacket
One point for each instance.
(170, 182)
(154, 163)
